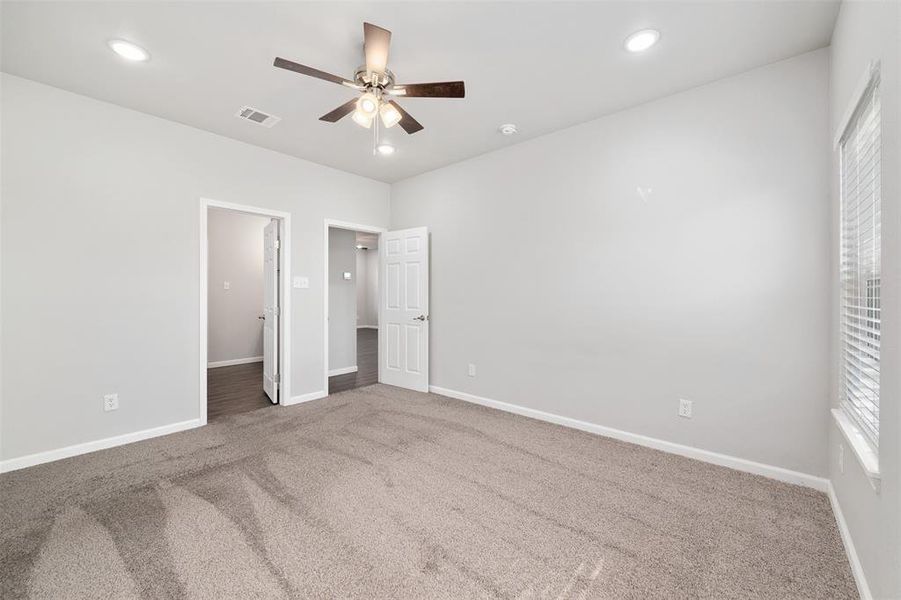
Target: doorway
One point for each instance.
(244, 308)
(401, 349)
(353, 328)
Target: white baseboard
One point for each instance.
(367, 326)
(724, 460)
(342, 371)
(305, 398)
(234, 361)
(30, 460)
(856, 568)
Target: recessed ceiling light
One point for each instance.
(507, 129)
(385, 149)
(642, 40)
(128, 50)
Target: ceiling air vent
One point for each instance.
(249, 113)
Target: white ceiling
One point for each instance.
(541, 65)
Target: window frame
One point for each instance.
(848, 418)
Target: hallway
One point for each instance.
(367, 364)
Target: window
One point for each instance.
(861, 312)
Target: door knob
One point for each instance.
(421, 318)
(262, 317)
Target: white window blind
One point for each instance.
(861, 313)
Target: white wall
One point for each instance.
(574, 295)
(342, 299)
(372, 287)
(360, 287)
(867, 31)
(235, 256)
(100, 260)
(367, 287)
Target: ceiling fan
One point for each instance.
(378, 87)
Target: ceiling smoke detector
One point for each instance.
(507, 129)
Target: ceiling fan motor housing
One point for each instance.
(372, 79)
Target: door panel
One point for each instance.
(404, 309)
(392, 353)
(271, 313)
(413, 350)
(393, 286)
(414, 302)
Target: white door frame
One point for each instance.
(352, 227)
(284, 366)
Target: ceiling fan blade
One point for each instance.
(305, 70)
(376, 41)
(407, 123)
(340, 112)
(443, 89)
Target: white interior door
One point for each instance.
(271, 310)
(404, 308)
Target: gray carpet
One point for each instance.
(384, 493)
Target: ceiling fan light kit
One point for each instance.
(378, 87)
(390, 115)
(362, 119)
(368, 104)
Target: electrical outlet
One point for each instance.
(685, 408)
(472, 370)
(226, 285)
(110, 402)
(841, 458)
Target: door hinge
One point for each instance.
(278, 244)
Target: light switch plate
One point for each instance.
(347, 275)
(226, 285)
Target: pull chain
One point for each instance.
(375, 134)
(375, 130)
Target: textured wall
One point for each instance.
(576, 294)
(101, 276)
(342, 299)
(234, 330)
(864, 32)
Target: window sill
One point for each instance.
(866, 455)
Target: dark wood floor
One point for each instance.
(367, 364)
(235, 389)
(239, 388)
